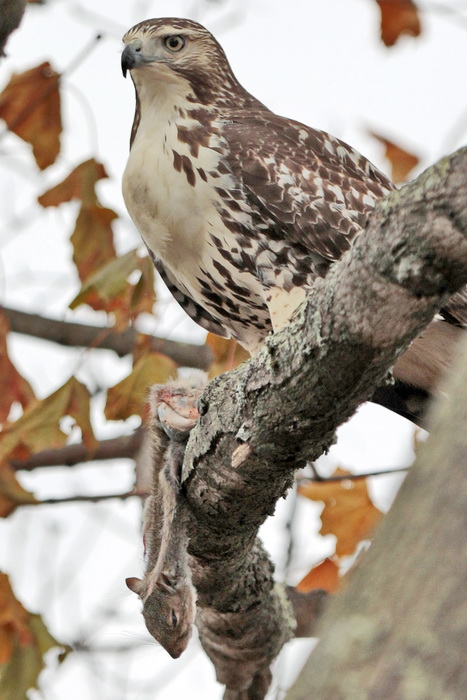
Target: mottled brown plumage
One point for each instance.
(241, 209)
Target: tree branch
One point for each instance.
(123, 447)
(261, 422)
(81, 335)
(349, 477)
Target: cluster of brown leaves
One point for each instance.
(38, 428)
(121, 285)
(104, 275)
(31, 106)
(349, 515)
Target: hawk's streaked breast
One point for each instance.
(172, 188)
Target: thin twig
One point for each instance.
(348, 477)
(88, 499)
(82, 55)
(83, 648)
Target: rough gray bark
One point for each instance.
(261, 422)
(398, 630)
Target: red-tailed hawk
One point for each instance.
(242, 209)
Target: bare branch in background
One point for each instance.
(125, 447)
(81, 335)
(89, 499)
(350, 477)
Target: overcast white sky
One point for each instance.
(319, 62)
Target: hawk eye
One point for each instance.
(174, 619)
(174, 42)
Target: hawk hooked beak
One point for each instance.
(132, 57)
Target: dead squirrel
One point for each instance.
(167, 592)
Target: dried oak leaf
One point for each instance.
(227, 354)
(129, 396)
(12, 493)
(13, 387)
(92, 239)
(402, 162)
(348, 511)
(30, 106)
(39, 426)
(24, 641)
(325, 576)
(398, 17)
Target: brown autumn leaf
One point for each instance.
(227, 354)
(106, 287)
(12, 493)
(13, 621)
(129, 396)
(402, 162)
(325, 576)
(348, 511)
(398, 17)
(13, 387)
(93, 240)
(24, 641)
(39, 426)
(79, 184)
(30, 106)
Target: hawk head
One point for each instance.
(179, 53)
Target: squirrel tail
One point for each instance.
(169, 485)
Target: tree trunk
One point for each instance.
(398, 630)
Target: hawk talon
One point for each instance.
(175, 426)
